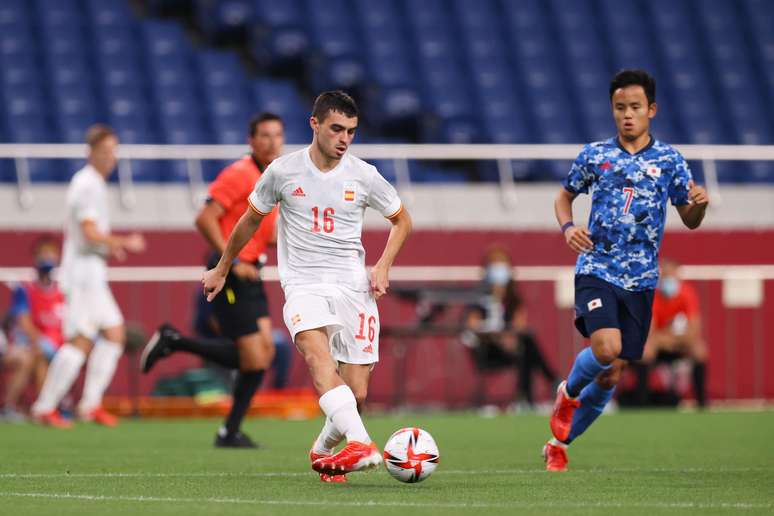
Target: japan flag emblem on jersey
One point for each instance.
(594, 304)
(654, 172)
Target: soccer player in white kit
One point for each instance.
(93, 325)
(330, 299)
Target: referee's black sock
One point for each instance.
(247, 382)
(222, 351)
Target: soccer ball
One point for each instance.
(411, 455)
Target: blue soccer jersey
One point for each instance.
(628, 208)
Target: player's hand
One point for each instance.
(697, 194)
(134, 243)
(579, 239)
(246, 271)
(212, 282)
(118, 253)
(379, 280)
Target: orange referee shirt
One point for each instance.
(666, 308)
(231, 189)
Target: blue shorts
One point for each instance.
(599, 304)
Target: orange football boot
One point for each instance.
(564, 408)
(355, 456)
(555, 457)
(325, 477)
(100, 416)
(53, 419)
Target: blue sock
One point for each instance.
(583, 371)
(593, 399)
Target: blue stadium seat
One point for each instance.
(760, 18)
(109, 13)
(278, 14)
(734, 73)
(221, 17)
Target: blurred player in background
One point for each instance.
(90, 310)
(243, 312)
(631, 177)
(676, 328)
(330, 299)
(35, 320)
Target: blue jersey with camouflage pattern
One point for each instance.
(628, 208)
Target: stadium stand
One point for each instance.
(435, 71)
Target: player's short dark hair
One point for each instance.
(261, 118)
(338, 101)
(633, 77)
(98, 132)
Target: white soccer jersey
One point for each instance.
(321, 217)
(83, 263)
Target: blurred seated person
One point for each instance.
(206, 325)
(34, 322)
(675, 331)
(496, 327)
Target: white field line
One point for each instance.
(288, 474)
(448, 505)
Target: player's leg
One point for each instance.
(103, 358)
(168, 340)
(243, 315)
(338, 403)
(697, 351)
(20, 362)
(256, 351)
(597, 314)
(61, 374)
(100, 368)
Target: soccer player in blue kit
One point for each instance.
(630, 177)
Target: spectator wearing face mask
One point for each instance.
(496, 329)
(676, 327)
(35, 320)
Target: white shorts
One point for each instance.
(350, 318)
(89, 309)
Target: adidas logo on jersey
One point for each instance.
(298, 192)
(368, 349)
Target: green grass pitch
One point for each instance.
(628, 463)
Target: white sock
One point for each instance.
(341, 408)
(329, 438)
(61, 374)
(99, 373)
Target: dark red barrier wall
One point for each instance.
(438, 369)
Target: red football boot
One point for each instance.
(555, 457)
(564, 408)
(100, 416)
(53, 419)
(355, 456)
(325, 477)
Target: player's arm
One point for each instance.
(214, 279)
(207, 222)
(693, 212)
(578, 238)
(20, 310)
(117, 244)
(379, 276)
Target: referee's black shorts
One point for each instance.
(238, 306)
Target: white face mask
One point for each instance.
(498, 274)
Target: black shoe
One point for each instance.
(158, 347)
(237, 440)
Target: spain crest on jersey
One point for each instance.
(349, 192)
